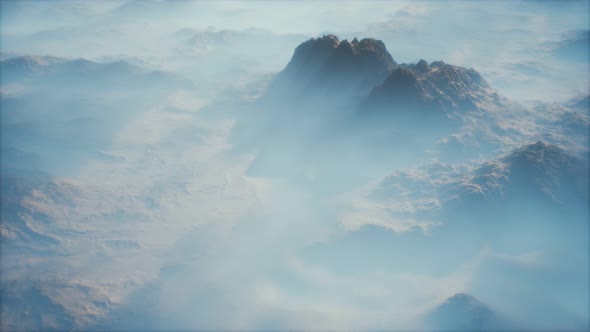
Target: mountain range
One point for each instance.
(473, 169)
(334, 93)
(365, 72)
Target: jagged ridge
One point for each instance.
(326, 64)
(436, 86)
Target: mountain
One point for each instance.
(437, 90)
(437, 85)
(312, 96)
(52, 118)
(14, 68)
(535, 192)
(566, 123)
(358, 85)
(335, 93)
(365, 71)
(355, 92)
(327, 65)
(463, 312)
(538, 173)
(53, 72)
(444, 108)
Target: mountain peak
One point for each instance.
(372, 45)
(324, 43)
(542, 171)
(403, 91)
(364, 69)
(422, 65)
(539, 153)
(462, 312)
(330, 41)
(368, 53)
(325, 64)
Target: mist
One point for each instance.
(374, 165)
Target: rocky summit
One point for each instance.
(462, 312)
(326, 64)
